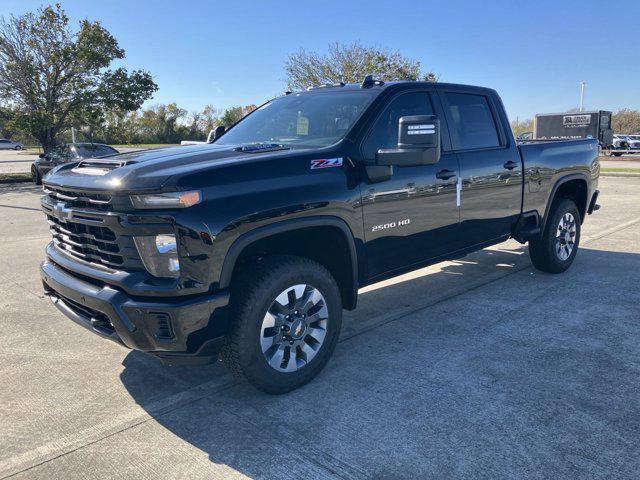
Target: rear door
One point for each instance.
(490, 165)
(413, 215)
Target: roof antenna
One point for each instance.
(370, 82)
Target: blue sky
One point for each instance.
(228, 53)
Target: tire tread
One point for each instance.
(245, 290)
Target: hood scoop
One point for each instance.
(260, 147)
(95, 166)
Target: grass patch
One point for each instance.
(14, 177)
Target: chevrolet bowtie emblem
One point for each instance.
(61, 212)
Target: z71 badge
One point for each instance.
(326, 163)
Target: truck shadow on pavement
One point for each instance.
(472, 371)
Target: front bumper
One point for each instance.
(177, 330)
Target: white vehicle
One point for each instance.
(634, 141)
(620, 142)
(9, 145)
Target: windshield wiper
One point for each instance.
(260, 147)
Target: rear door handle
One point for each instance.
(445, 174)
(510, 165)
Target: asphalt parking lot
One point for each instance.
(478, 368)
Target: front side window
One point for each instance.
(472, 122)
(305, 119)
(384, 134)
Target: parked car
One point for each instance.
(525, 136)
(10, 145)
(620, 142)
(254, 244)
(70, 152)
(633, 141)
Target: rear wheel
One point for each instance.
(555, 250)
(18, 147)
(287, 315)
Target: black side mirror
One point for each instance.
(217, 133)
(418, 143)
(42, 155)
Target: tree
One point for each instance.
(518, 126)
(161, 123)
(209, 118)
(350, 64)
(235, 114)
(55, 76)
(626, 120)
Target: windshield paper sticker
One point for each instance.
(302, 127)
(326, 163)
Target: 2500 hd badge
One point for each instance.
(385, 226)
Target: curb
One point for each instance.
(618, 174)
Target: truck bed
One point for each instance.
(546, 161)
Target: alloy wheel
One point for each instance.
(294, 328)
(565, 236)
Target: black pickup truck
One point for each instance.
(251, 246)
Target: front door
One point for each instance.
(413, 216)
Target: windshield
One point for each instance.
(86, 151)
(314, 119)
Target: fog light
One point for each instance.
(159, 255)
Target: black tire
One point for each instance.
(546, 252)
(18, 147)
(252, 295)
(36, 177)
(617, 154)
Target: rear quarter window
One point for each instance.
(472, 122)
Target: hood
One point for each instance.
(152, 169)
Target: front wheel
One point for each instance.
(555, 250)
(35, 176)
(18, 147)
(286, 319)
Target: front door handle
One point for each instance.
(445, 174)
(510, 165)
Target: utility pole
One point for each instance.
(581, 95)
(73, 135)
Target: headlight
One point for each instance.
(159, 255)
(167, 200)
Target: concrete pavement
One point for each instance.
(478, 368)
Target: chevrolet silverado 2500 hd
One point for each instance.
(251, 246)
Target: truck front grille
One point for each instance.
(88, 242)
(85, 227)
(96, 201)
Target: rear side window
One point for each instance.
(472, 122)
(385, 131)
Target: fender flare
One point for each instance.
(554, 190)
(246, 239)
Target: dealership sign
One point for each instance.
(576, 120)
